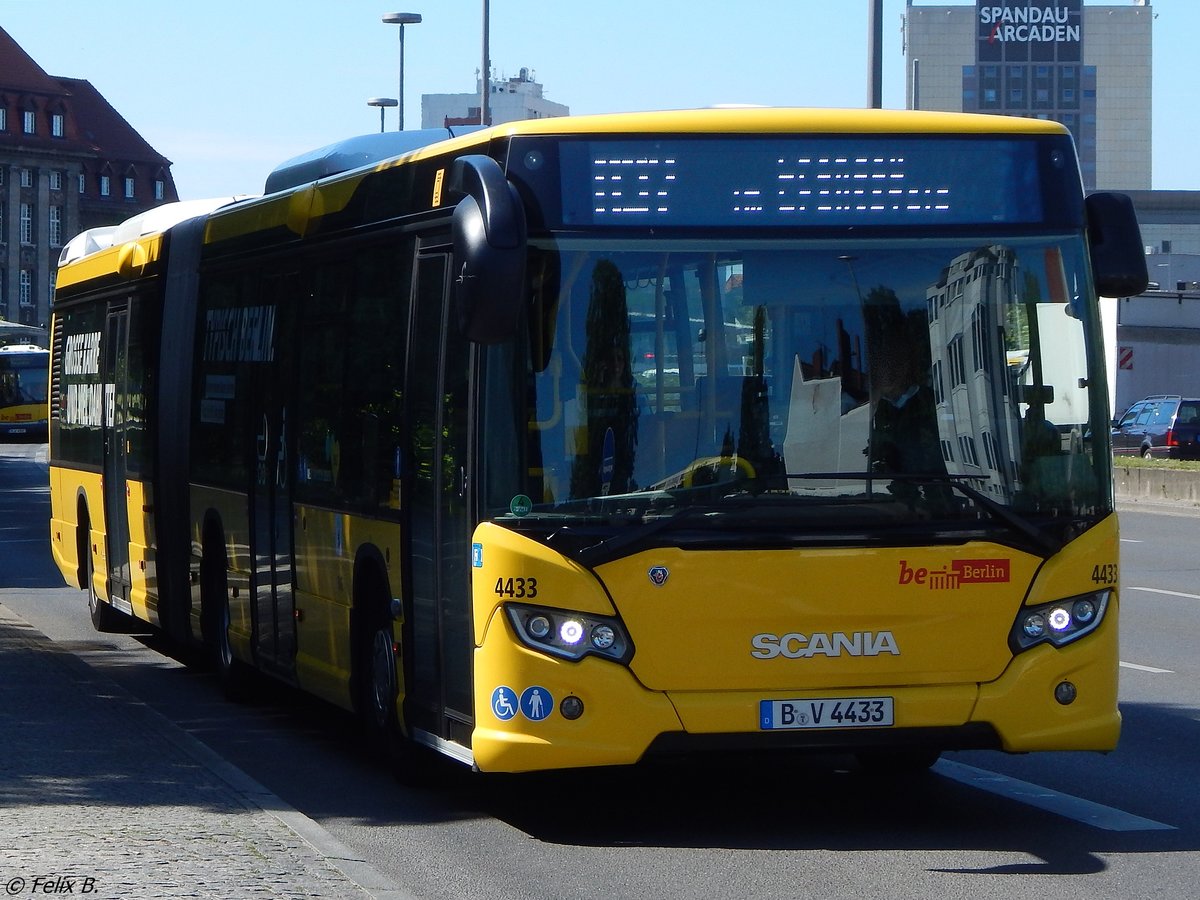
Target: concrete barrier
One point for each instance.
(1155, 485)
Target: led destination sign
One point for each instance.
(801, 181)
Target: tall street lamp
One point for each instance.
(383, 103)
(401, 19)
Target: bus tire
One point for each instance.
(233, 675)
(105, 619)
(376, 673)
(377, 679)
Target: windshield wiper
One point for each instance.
(1039, 536)
(610, 548)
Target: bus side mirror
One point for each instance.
(489, 251)
(1118, 259)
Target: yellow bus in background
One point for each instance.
(24, 376)
(579, 441)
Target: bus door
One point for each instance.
(439, 678)
(116, 455)
(271, 482)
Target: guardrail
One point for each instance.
(1157, 485)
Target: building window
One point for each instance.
(954, 354)
(3, 119)
(56, 226)
(26, 178)
(57, 125)
(26, 223)
(128, 188)
(105, 186)
(26, 291)
(158, 189)
(56, 181)
(30, 121)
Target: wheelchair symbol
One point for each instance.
(504, 703)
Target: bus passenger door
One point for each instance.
(116, 448)
(271, 488)
(439, 679)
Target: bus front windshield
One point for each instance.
(800, 391)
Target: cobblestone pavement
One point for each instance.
(101, 796)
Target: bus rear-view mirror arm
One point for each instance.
(489, 250)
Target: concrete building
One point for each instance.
(510, 100)
(68, 162)
(1086, 66)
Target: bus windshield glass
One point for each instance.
(938, 387)
(23, 378)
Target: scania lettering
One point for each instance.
(510, 440)
(798, 646)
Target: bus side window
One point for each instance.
(319, 383)
(373, 402)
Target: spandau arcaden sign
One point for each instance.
(1045, 30)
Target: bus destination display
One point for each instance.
(800, 181)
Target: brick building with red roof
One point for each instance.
(68, 162)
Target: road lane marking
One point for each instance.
(1125, 665)
(1130, 541)
(1168, 593)
(1076, 808)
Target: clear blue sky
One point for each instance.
(226, 89)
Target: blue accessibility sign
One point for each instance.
(504, 703)
(536, 703)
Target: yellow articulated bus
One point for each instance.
(579, 441)
(24, 376)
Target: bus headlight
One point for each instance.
(1060, 622)
(568, 634)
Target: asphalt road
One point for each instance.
(981, 825)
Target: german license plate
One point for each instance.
(846, 712)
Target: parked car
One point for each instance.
(1161, 426)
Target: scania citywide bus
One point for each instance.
(578, 441)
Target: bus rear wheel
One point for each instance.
(233, 675)
(105, 619)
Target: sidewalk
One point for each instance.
(101, 796)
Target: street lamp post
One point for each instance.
(485, 87)
(383, 103)
(401, 19)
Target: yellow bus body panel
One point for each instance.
(67, 486)
(143, 589)
(619, 721)
(327, 543)
(130, 260)
(693, 670)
